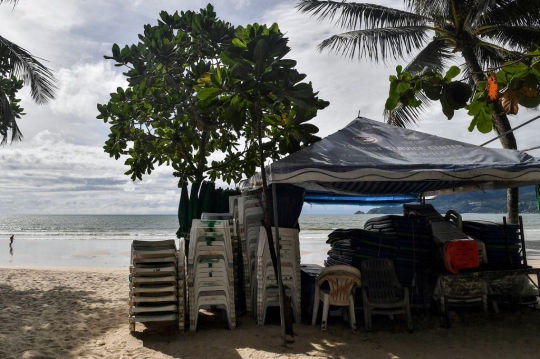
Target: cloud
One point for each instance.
(60, 167)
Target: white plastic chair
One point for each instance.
(343, 281)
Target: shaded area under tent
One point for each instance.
(369, 160)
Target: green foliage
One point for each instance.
(10, 108)
(198, 87)
(404, 88)
(263, 93)
(515, 83)
(158, 119)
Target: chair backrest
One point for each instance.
(341, 279)
(379, 278)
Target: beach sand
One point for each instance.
(82, 313)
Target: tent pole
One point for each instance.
(280, 279)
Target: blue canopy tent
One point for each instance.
(372, 158)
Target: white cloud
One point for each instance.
(60, 167)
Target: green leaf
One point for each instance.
(261, 51)
(239, 43)
(285, 63)
(115, 50)
(447, 109)
(207, 92)
(393, 96)
(451, 73)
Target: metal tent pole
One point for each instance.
(280, 280)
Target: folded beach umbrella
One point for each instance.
(193, 204)
(183, 212)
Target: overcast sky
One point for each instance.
(60, 167)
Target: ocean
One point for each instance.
(105, 240)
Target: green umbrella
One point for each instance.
(209, 198)
(200, 204)
(183, 212)
(193, 203)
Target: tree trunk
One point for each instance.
(501, 124)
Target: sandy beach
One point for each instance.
(82, 313)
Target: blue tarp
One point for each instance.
(337, 199)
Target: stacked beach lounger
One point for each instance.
(405, 240)
(502, 242)
(250, 214)
(267, 285)
(154, 283)
(210, 270)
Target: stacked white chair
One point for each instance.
(234, 241)
(210, 270)
(153, 281)
(267, 285)
(250, 214)
(181, 275)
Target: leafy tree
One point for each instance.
(265, 90)
(158, 118)
(17, 68)
(485, 32)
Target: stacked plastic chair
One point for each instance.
(181, 275)
(234, 242)
(210, 270)
(250, 214)
(153, 283)
(267, 285)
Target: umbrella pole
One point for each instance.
(280, 279)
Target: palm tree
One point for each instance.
(18, 64)
(485, 33)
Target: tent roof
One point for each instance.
(373, 158)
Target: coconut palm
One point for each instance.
(18, 64)
(485, 33)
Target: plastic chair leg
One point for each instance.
(409, 318)
(315, 307)
(367, 317)
(352, 315)
(326, 307)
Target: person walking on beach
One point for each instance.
(11, 240)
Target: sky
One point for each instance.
(60, 166)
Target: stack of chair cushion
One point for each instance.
(493, 235)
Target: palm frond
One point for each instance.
(511, 13)
(14, 2)
(518, 38)
(407, 116)
(357, 15)
(377, 44)
(8, 122)
(27, 67)
(435, 56)
(491, 57)
(429, 8)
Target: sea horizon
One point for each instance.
(104, 240)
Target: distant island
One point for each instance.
(473, 202)
(359, 212)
